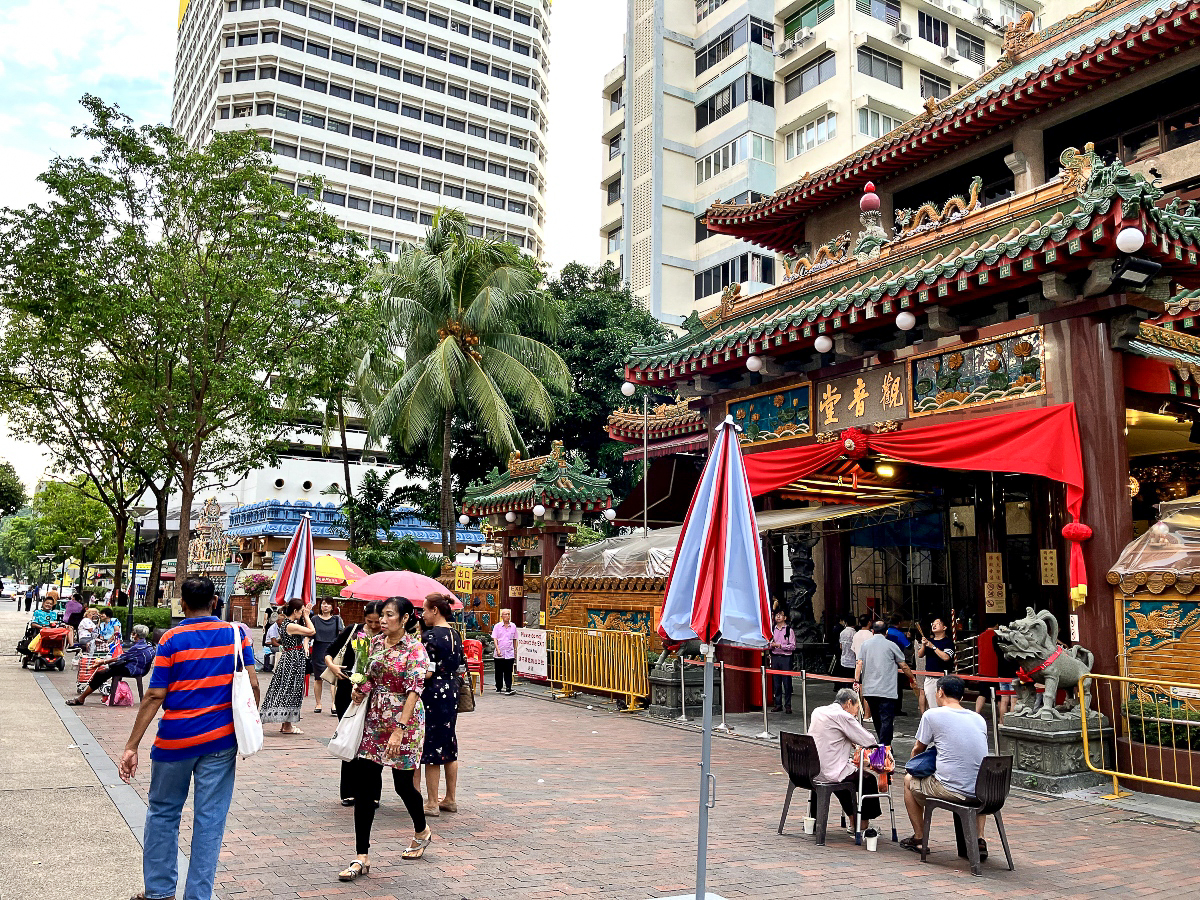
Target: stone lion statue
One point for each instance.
(1032, 642)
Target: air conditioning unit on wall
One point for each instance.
(805, 35)
(903, 32)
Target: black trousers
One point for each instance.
(883, 716)
(504, 673)
(871, 808)
(116, 670)
(781, 685)
(366, 780)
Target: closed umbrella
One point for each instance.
(717, 589)
(297, 573)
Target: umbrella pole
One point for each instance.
(707, 797)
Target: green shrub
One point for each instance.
(1163, 725)
(152, 616)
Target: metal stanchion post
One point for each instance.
(723, 726)
(682, 692)
(995, 721)
(804, 701)
(766, 732)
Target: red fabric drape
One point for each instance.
(1036, 442)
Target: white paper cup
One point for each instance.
(873, 843)
(810, 824)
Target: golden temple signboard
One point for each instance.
(864, 398)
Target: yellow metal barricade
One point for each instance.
(613, 662)
(1157, 734)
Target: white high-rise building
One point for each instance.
(402, 107)
(729, 100)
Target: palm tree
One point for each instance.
(452, 307)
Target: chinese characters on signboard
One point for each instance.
(531, 652)
(876, 395)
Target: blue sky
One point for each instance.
(54, 51)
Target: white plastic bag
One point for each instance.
(347, 738)
(246, 723)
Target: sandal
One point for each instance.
(350, 873)
(448, 806)
(431, 810)
(74, 701)
(293, 731)
(318, 709)
(417, 848)
(912, 843)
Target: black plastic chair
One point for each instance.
(798, 753)
(991, 790)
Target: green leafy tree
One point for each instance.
(12, 491)
(451, 309)
(375, 508)
(600, 321)
(193, 278)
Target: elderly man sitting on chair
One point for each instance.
(960, 737)
(836, 731)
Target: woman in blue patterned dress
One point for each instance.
(445, 649)
(394, 731)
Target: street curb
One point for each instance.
(123, 796)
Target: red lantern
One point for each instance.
(1077, 532)
(854, 443)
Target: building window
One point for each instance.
(614, 101)
(495, 202)
(320, 15)
(932, 29)
(360, 168)
(816, 132)
(1014, 11)
(724, 101)
(339, 127)
(884, 10)
(474, 196)
(385, 174)
(381, 244)
(614, 240)
(313, 120)
(389, 105)
(497, 169)
(266, 109)
(245, 74)
(808, 17)
(406, 214)
(283, 112)
(881, 66)
(289, 77)
(266, 72)
(875, 124)
(969, 47)
(614, 146)
(816, 72)
(758, 31)
(747, 267)
(336, 162)
(614, 191)
(933, 86)
(317, 50)
(747, 146)
(383, 209)
(247, 40)
(365, 133)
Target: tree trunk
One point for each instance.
(160, 545)
(187, 487)
(448, 522)
(122, 524)
(349, 507)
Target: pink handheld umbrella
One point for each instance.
(717, 589)
(414, 586)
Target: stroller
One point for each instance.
(44, 647)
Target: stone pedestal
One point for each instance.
(1048, 753)
(665, 690)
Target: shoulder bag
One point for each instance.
(923, 764)
(466, 690)
(246, 723)
(348, 736)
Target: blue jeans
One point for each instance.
(170, 781)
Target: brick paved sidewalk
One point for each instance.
(560, 801)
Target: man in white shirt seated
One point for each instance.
(837, 732)
(960, 737)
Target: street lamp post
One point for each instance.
(44, 559)
(138, 513)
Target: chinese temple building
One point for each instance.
(1002, 377)
(532, 508)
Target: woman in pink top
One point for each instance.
(505, 654)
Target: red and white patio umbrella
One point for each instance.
(297, 575)
(717, 589)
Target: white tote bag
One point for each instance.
(246, 723)
(347, 738)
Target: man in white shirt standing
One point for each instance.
(960, 737)
(846, 645)
(504, 656)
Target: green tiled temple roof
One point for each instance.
(557, 481)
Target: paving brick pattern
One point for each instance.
(560, 801)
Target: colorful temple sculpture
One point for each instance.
(531, 509)
(978, 375)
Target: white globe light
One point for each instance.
(1130, 240)
(1160, 528)
(823, 343)
(610, 514)
(628, 388)
(539, 510)
(906, 321)
(464, 519)
(754, 363)
(510, 516)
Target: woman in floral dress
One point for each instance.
(394, 731)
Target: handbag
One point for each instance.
(466, 690)
(328, 677)
(247, 726)
(922, 764)
(348, 735)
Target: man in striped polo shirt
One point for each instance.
(192, 682)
